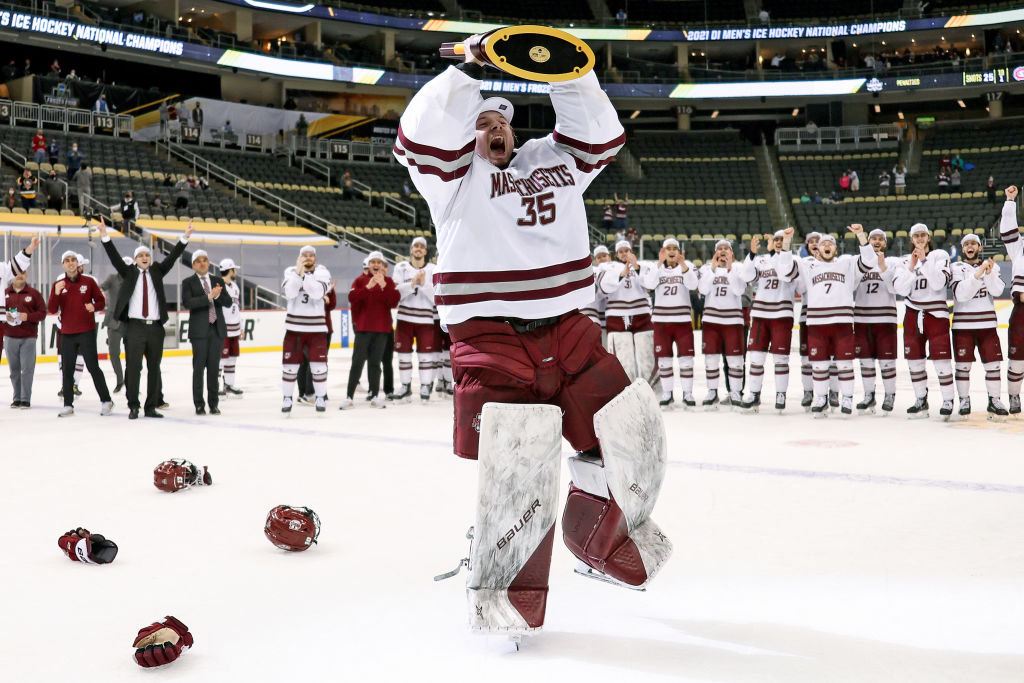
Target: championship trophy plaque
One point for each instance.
(533, 53)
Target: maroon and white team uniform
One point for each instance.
(595, 310)
(233, 321)
(926, 322)
(513, 269)
(975, 326)
(1014, 243)
(627, 314)
(673, 324)
(771, 321)
(415, 326)
(305, 329)
(830, 287)
(722, 327)
(874, 331)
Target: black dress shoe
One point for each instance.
(133, 414)
(119, 387)
(200, 411)
(214, 411)
(153, 413)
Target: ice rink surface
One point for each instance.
(865, 549)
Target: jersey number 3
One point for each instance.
(541, 207)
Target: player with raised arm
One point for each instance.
(233, 320)
(830, 281)
(806, 374)
(672, 283)
(1014, 243)
(595, 310)
(305, 286)
(723, 286)
(628, 313)
(414, 280)
(771, 318)
(874, 328)
(923, 277)
(513, 270)
(976, 283)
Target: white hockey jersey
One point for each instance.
(511, 242)
(627, 296)
(1014, 244)
(875, 298)
(305, 295)
(672, 289)
(723, 294)
(830, 285)
(417, 302)
(233, 314)
(973, 299)
(18, 264)
(925, 286)
(775, 289)
(595, 309)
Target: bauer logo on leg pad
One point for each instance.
(518, 526)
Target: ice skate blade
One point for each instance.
(591, 573)
(918, 416)
(711, 409)
(866, 411)
(820, 415)
(996, 418)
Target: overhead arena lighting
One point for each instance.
(278, 7)
(961, 103)
(795, 111)
(900, 114)
(714, 114)
(634, 114)
(878, 109)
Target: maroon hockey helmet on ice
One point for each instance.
(290, 528)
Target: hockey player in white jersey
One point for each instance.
(923, 277)
(806, 376)
(830, 282)
(233, 321)
(628, 313)
(305, 285)
(414, 280)
(976, 282)
(513, 270)
(722, 285)
(595, 310)
(874, 328)
(1014, 243)
(672, 282)
(771, 318)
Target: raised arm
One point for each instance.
(1008, 229)
(609, 278)
(587, 126)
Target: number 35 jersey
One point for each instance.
(511, 242)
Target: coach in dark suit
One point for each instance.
(142, 306)
(205, 297)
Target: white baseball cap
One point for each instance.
(141, 249)
(623, 244)
(82, 261)
(600, 249)
(68, 253)
(827, 238)
(198, 254)
(969, 237)
(812, 235)
(670, 242)
(919, 227)
(418, 240)
(877, 231)
(779, 234)
(374, 255)
(721, 242)
(307, 248)
(226, 265)
(366, 262)
(498, 104)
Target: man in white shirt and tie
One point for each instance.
(205, 297)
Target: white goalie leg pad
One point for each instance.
(519, 457)
(634, 451)
(620, 345)
(646, 364)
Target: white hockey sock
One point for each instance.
(781, 372)
(1014, 377)
(426, 367)
(918, 377)
(819, 370)
(686, 374)
(867, 374)
(79, 369)
(319, 373)
(711, 364)
(993, 381)
(833, 377)
(846, 377)
(888, 368)
(806, 374)
(405, 368)
(963, 379)
(757, 359)
(735, 368)
(944, 369)
(288, 374)
(446, 366)
(665, 373)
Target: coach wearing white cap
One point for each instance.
(205, 298)
(142, 306)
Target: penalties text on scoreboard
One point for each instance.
(93, 34)
(835, 31)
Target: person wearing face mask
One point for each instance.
(74, 160)
(12, 197)
(129, 210)
(53, 190)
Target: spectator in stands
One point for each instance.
(39, 147)
(129, 210)
(621, 211)
(816, 199)
(72, 76)
(958, 162)
(883, 183)
(302, 126)
(74, 160)
(157, 203)
(805, 198)
(55, 69)
(9, 72)
(943, 180)
(184, 116)
(53, 189)
(633, 237)
(101, 106)
(53, 151)
(27, 71)
(198, 116)
(164, 118)
(955, 180)
(608, 220)
(844, 182)
(203, 183)
(945, 162)
(406, 189)
(621, 16)
(83, 184)
(347, 191)
(27, 190)
(854, 181)
(182, 191)
(12, 197)
(899, 176)
(990, 189)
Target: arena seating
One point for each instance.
(802, 9)
(525, 10)
(675, 12)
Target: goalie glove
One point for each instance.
(81, 546)
(174, 475)
(161, 643)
